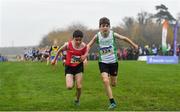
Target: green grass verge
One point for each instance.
(35, 86)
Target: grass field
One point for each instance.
(35, 86)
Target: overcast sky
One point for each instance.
(25, 22)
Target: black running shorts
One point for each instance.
(110, 68)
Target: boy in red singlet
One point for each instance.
(74, 63)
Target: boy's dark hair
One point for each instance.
(104, 20)
(77, 33)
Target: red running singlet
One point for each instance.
(73, 55)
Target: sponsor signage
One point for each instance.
(162, 60)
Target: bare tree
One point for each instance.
(144, 18)
(44, 42)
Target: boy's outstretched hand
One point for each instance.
(136, 46)
(83, 57)
(53, 62)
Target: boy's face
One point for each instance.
(78, 41)
(104, 28)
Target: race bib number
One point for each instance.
(106, 50)
(75, 59)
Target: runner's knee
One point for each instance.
(79, 86)
(113, 84)
(105, 81)
(69, 87)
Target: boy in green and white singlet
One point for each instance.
(108, 61)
